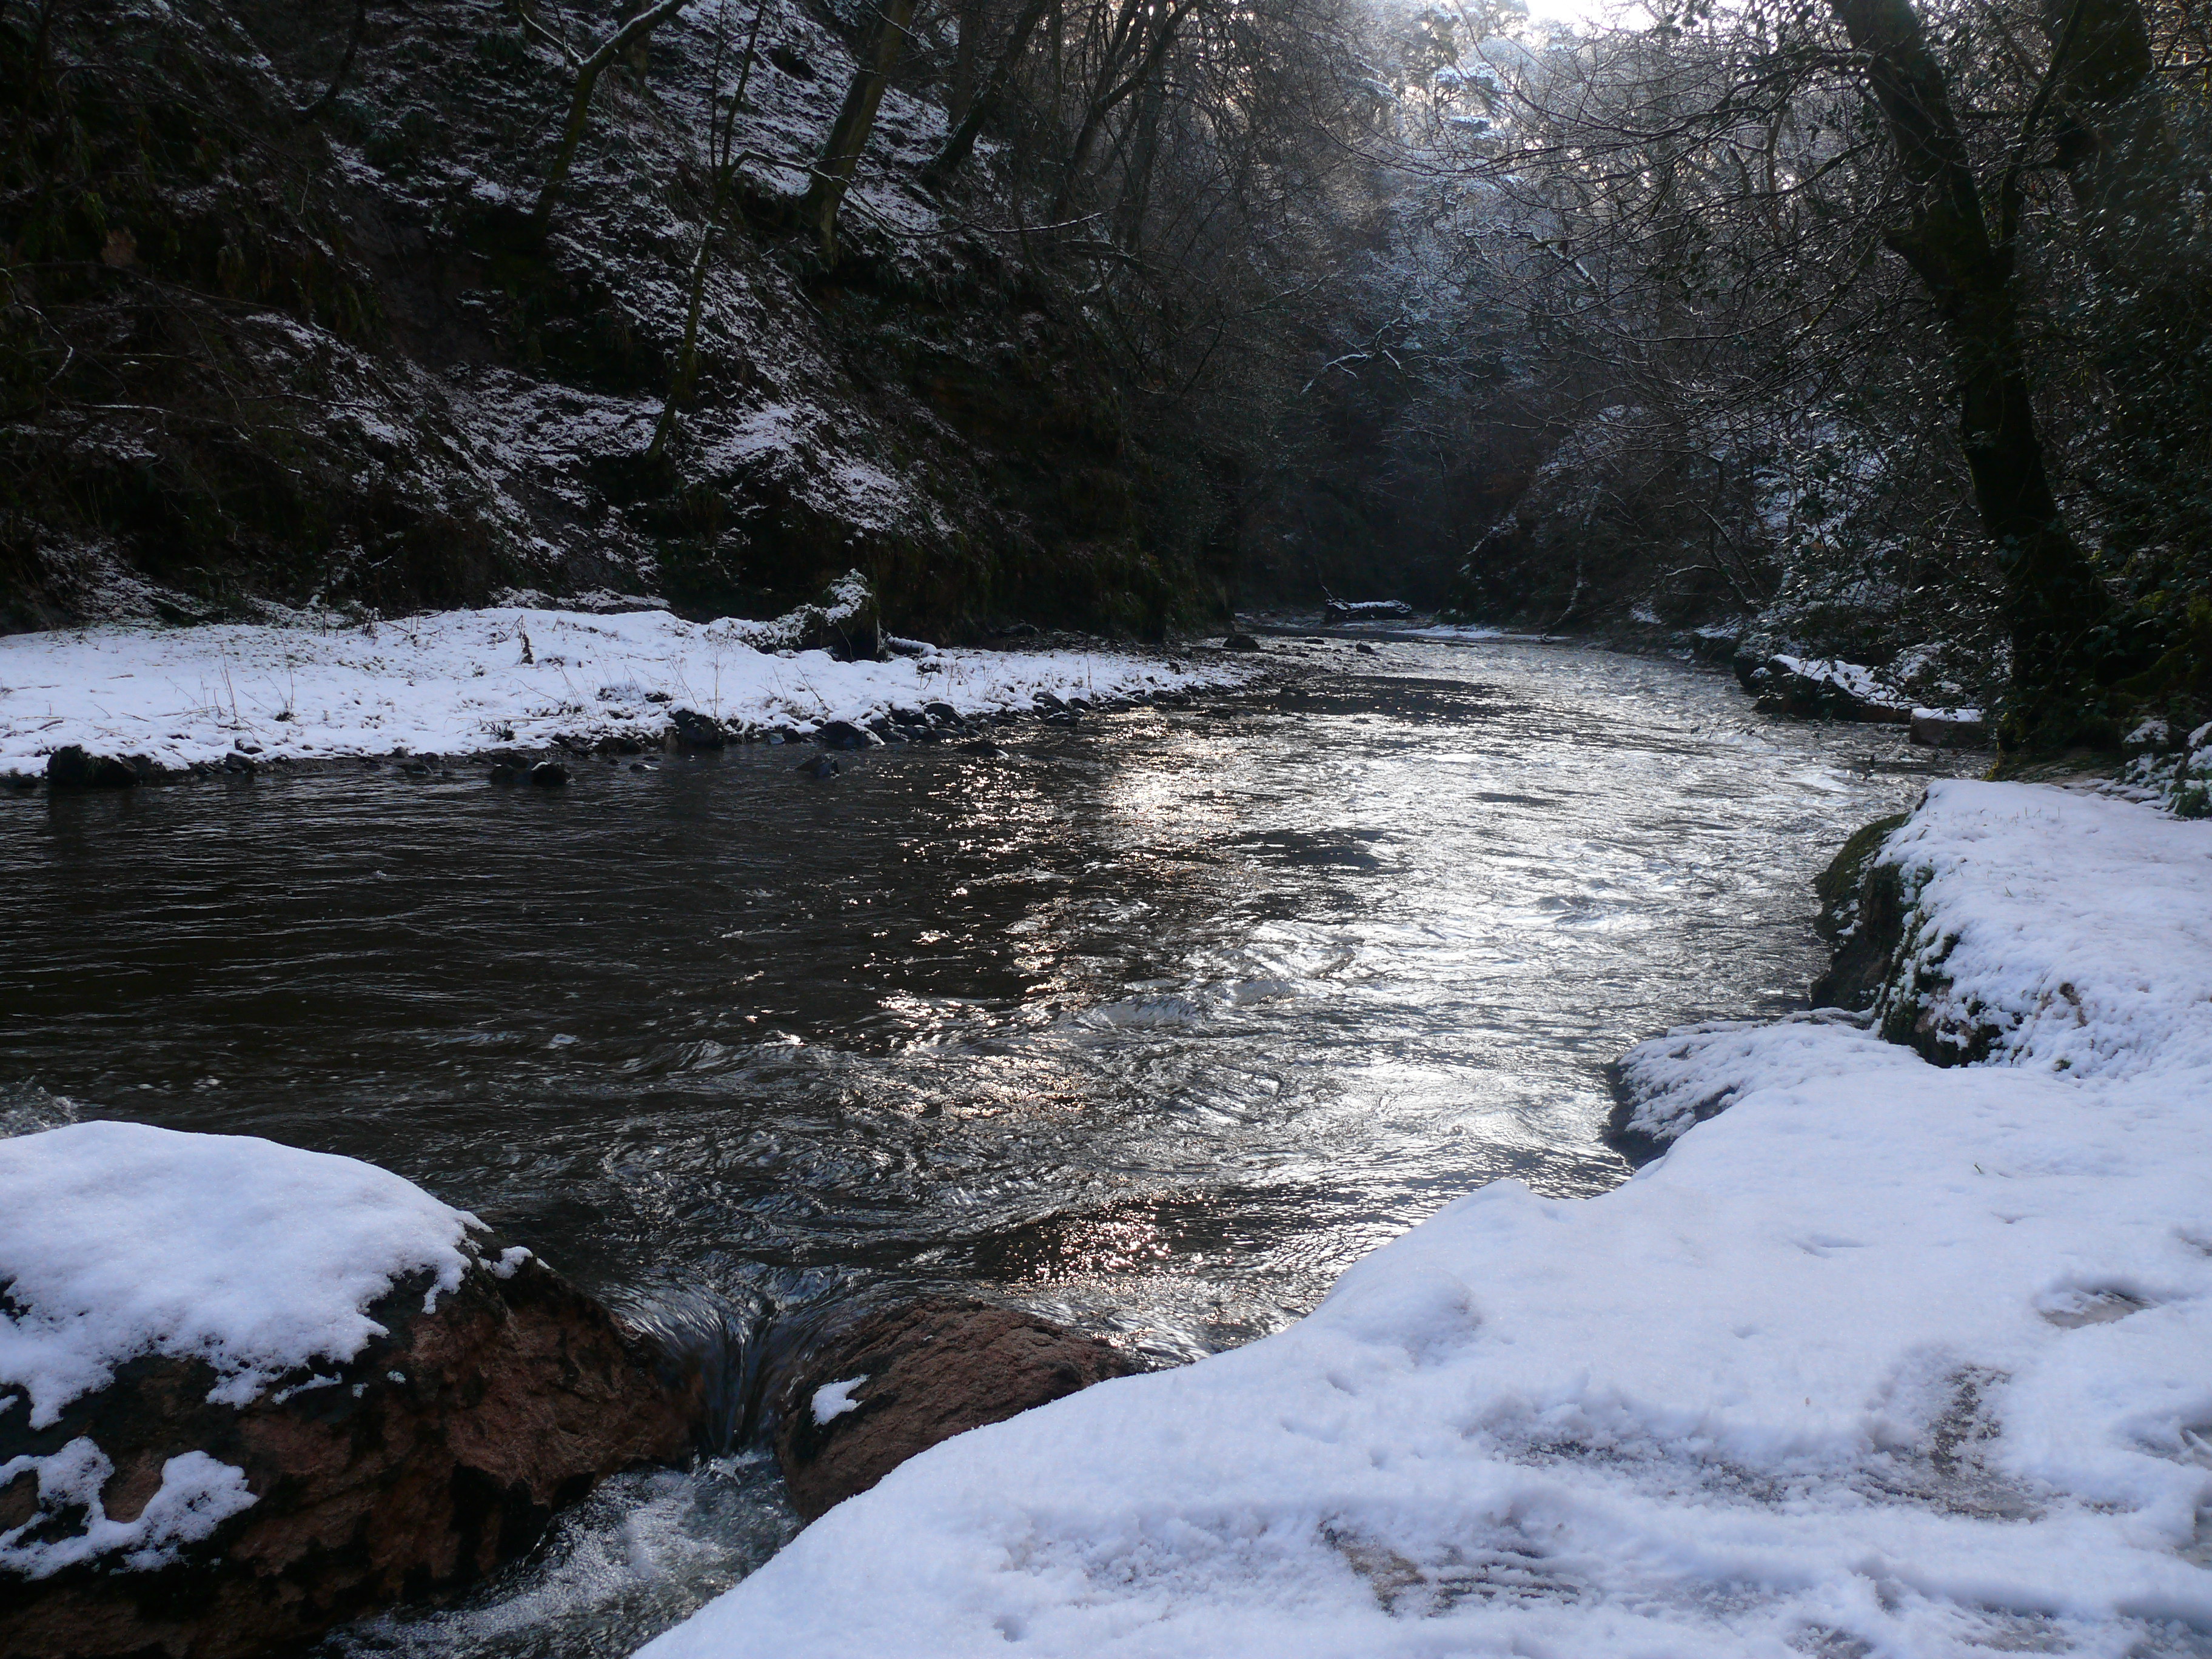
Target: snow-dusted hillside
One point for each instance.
(1884, 1359)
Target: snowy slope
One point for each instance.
(460, 681)
(1886, 1359)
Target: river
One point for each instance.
(1153, 1025)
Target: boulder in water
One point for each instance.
(71, 767)
(843, 734)
(818, 766)
(894, 1381)
(248, 1392)
(694, 730)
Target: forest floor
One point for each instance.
(1887, 1357)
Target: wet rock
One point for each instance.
(71, 767)
(820, 766)
(1949, 728)
(19, 781)
(843, 734)
(943, 712)
(1366, 650)
(694, 730)
(894, 1381)
(1048, 702)
(438, 1453)
(508, 771)
(984, 747)
(549, 774)
(913, 718)
(1239, 642)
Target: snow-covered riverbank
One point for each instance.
(1884, 1359)
(465, 681)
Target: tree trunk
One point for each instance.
(972, 15)
(579, 105)
(961, 141)
(849, 133)
(2051, 596)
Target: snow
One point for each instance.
(833, 1400)
(198, 1494)
(120, 1239)
(1884, 1359)
(462, 681)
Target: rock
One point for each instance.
(1048, 702)
(984, 747)
(1861, 919)
(894, 1381)
(1366, 650)
(17, 780)
(820, 766)
(1364, 610)
(244, 766)
(911, 718)
(549, 774)
(694, 730)
(71, 767)
(943, 712)
(843, 734)
(508, 771)
(1813, 688)
(1239, 642)
(437, 1452)
(1949, 728)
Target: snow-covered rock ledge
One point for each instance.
(463, 682)
(1887, 1358)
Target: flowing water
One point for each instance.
(1154, 1024)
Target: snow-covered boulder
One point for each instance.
(248, 1391)
(1820, 686)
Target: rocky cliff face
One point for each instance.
(276, 325)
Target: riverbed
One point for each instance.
(1154, 1024)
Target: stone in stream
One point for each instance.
(693, 730)
(843, 734)
(943, 712)
(549, 774)
(1239, 642)
(894, 1381)
(1949, 728)
(71, 767)
(401, 1427)
(817, 767)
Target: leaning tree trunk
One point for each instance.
(848, 134)
(2051, 596)
(960, 143)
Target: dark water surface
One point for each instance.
(1155, 1024)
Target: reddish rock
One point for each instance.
(931, 1369)
(442, 1450)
